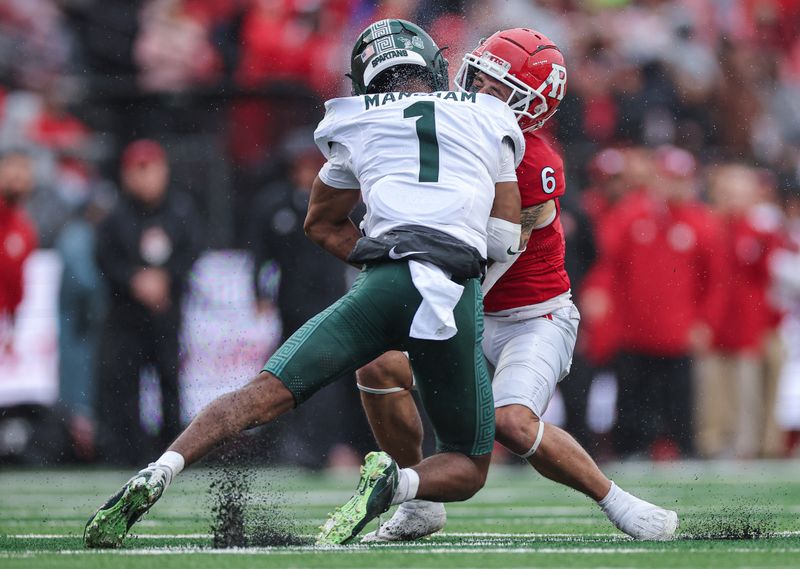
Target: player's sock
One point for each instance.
(611, 498)
(172, 463)
(407, 486)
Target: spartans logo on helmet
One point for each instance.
(400, 46)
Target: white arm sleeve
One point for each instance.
(502, 241)
(507, 171)
(337, 172)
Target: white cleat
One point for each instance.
(412, 520)
(644, 521)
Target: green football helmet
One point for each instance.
(390, 43)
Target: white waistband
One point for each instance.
(563, 300)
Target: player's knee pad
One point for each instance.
(536, 443)
(380, 391)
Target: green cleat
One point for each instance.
(110, 524)
(373, 496)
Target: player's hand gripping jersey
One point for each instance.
(429, 159)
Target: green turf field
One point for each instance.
(518, 520)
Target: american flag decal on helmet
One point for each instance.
(368, 52)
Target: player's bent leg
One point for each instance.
(260, 401)
(333, 343)
(385, 386)
(532, 357)
(550, 450)
(558, 456)
(447, 477)
(451, 376)
(444, 477)
(452, 476)
(561, 459)
(456, 391)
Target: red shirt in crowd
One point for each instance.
(538, 274)
(599, 335)
(283, 45)
(750, 240)
(667, 272)
(17, 240)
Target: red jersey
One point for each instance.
(668, 273)
(538, 274)
(749, 315)
(17, 240)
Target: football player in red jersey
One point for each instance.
(530, 323)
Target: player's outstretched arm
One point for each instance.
(327, 223)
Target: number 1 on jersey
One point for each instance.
(428, 143)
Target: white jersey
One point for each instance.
(429, 159)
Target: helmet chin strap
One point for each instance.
(352, 81)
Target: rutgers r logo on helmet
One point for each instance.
(529, 63)
(558, 80)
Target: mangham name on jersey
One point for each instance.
(383, 98)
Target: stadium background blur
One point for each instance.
(671, 106)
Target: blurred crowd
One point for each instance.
(696, 269)
(135, 134)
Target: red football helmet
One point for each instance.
(529, 63)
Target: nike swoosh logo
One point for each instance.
(511, 252)
(395, 255)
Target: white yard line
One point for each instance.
(141, 536)
(358, 549)
(568, 536)
(529, 535)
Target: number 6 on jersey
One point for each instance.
(426, 133)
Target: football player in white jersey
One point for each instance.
(436, 170)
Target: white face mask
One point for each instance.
(522, 96)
